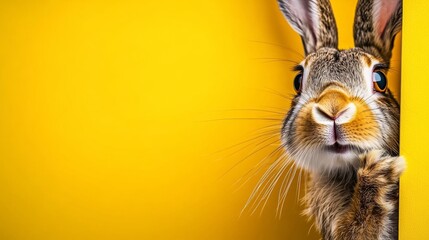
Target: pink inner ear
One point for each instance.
(383, 11)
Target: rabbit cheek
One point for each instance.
(363, 131)
(308, 131)
(310, 135)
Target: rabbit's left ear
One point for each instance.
(313, 20)
(376, 24)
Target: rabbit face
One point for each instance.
(339, 112)
(343, 107)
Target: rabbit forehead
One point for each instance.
(344, 67)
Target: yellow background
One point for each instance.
(414, 194)
(112, 115)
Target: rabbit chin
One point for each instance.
(324, 161)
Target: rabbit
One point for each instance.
(343, 124)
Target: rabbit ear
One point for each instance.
(313, 20)
(376, 24)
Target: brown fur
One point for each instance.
(351, 196)
(359, 205)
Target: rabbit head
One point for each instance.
(343, 106)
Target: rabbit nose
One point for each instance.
(333, 106)
(324, 116)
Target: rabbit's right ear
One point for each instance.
(376, 24)
(313, 20)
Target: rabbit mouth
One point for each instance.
(340, 148)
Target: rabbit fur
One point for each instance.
(339, 127)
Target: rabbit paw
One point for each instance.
(380, 167)
(378, 178)
(375, 200)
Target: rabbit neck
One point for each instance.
(327, 197)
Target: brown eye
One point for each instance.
(380, 81)
(297, 82)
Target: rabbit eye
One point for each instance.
(297, 82)
(380, 81)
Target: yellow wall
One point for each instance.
(104, 108)
(414, 195)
